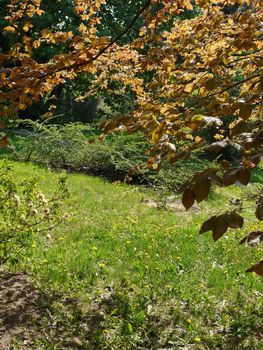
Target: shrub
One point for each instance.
(69, 147)
(24, 212)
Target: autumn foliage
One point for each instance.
(196, 81)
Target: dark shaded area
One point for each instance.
(57, 320)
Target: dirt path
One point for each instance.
(17, 300)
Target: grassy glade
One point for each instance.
(122, 275)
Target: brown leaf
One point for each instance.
(2, 59)
(245, 111)
(253, 238)
(220, 227)
(235, 220)
(244, 175)
(255, 158)
(258, 268)
(4, 142)
(210, 84)
(217, 224)
(124, 120)
(217, 146)
(218, 180)
(109, 126)
(225, 164)
(91, 141)
(239, 128)
(230, 177)
(183, 187)
(259, 209)
(202, 188)
(258, 138)
(188, 198)
(183, 155)
(208, 225)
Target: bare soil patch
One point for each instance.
(172, 203)
(17, 308)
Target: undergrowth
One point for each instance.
(70, 147)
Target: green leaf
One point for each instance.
(129, 328)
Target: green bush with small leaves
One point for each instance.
(70, 147)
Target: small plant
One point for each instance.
(26, 211)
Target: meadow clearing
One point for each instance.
(120, 274)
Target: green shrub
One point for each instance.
(69, 147)
(24, 212)
(51, 145)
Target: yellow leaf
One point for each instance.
(225, 60)
(189, 87)
(36, 44)
(46, 33)
(198, 139)
(30, 14)
(25, 28)
(218, 137)
(156, 137)
(9, 29)
(197, 118)
(39, 12)
(189, 137)
(147, 107)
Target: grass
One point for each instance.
(121, 275)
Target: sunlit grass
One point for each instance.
(157, 269)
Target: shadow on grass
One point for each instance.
(44, 320)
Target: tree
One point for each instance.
(184, 74)
(60, 16)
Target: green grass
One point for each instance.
(121, 275)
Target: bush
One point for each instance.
(69, 147)
(24, 212)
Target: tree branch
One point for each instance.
(111, 43)
(233, 85)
